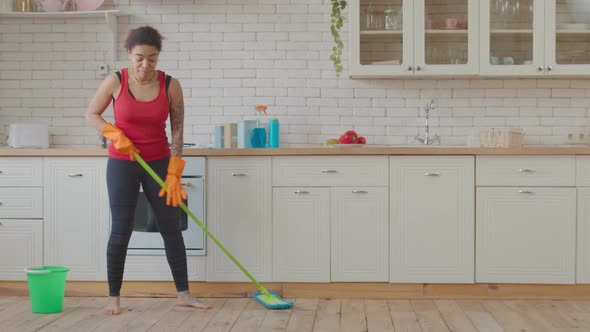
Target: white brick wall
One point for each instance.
(233, 54)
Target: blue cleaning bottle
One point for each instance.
(258, 134)
(273, 133)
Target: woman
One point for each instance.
(143, 97)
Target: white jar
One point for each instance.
(6, 6)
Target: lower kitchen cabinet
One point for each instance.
(330, 234)
(526, 235)
(432, 219)
(301, 234)
(359, 234)
(330, 218)
(239, 212)
(76, 215)
(21, 245)
(583, 237)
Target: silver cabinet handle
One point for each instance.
(76, 175)
(410, 68)
(186, 184)
(540, 68)
(526, 170)
(528, 192)
(301, 192)
(549, 68)
(418, 68)
(329, 171)
(431, 174)
(238, 174)
(360, 192)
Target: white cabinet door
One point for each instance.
(21, 245)
(301, 234)
(359, 235)
(432, 219)
(512, 38)
(583, 230)
(446, 39)
(76, 215)
(526, 235)
(375, 51)
(567, 31)
(239, 214)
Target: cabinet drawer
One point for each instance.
(21, 172)
(21, 202)
(337, 171)
(559, 171)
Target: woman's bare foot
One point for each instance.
(185, 299)
(113, 306)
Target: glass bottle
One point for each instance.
(24, 5)
(391, 19)
(370, 17)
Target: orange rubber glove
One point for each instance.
(121, 142)
(176, 192)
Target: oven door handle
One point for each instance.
(192, 176)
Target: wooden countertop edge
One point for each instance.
(75, 152)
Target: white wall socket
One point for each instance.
(576, 137)
(103, 69)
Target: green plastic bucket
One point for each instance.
(46, 288)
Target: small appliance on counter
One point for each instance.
(509, 138)
(28, 135)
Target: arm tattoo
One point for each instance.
(177, 124)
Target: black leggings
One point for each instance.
(123, 179)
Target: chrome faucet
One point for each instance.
(427, 140)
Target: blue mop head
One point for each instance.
(272, 301)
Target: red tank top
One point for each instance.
(144, 122)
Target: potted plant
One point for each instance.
(337, 21)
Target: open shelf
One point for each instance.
(511, 31)
(381, 32)
(446, 32)
(93, 13)
(109, 15)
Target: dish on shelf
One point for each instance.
(346, 145)
(64, 5)
(573, 26)
(87, 5)
(386, 62)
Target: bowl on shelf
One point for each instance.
(573, 26)
(86, 5)
(68, 5)
(50, 5)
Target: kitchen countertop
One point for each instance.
(366, 150)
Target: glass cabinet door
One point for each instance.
(381, 37)
(513, 41)
(446, 37)
(568, 36)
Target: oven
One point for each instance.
(146, 238)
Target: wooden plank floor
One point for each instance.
(355, 315)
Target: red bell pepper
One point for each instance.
(349, 137)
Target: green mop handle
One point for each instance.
(188, 212)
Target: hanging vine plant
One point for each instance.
(337, 21)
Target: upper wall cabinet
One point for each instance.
(413, 38)
(535, 38)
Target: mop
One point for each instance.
(270, 300)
